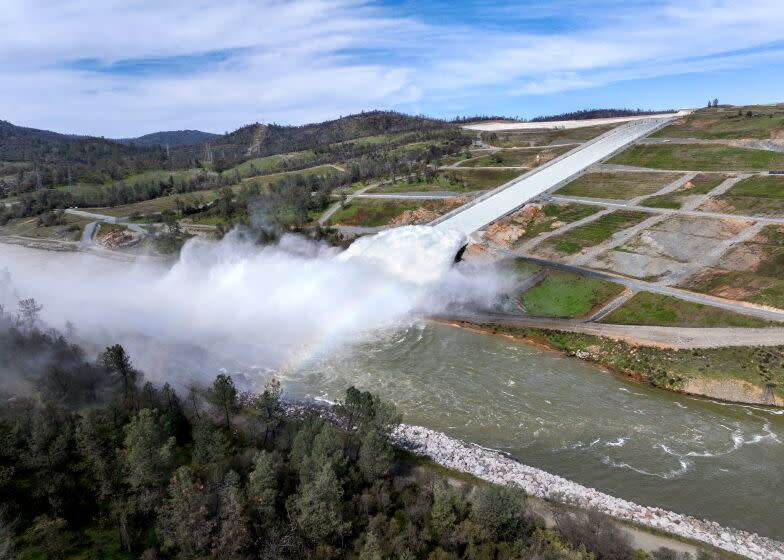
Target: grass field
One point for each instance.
(563, 294)
(757, 195)
(158, 204)
(516, 158)
(519, 269)
(617, 185)
(648, 308)
(543, 137)
(702, 183)
(270, 164)
(71, 230)
(457, 180)
(713, 124)
(370, 212)
(554, 214)
(179, 177)
(265, 180)
(699, 157)
(593, 233)
(739, 285)
(667, 368)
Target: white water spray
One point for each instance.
(234, 304)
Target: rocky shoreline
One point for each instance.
(496, 467)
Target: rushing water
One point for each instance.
(719, 461)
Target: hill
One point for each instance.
(586, 114)
(267, 139)
(40, 158)
(170, 138)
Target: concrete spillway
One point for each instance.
(509, 197)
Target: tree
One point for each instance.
(209, 443)
(225, 202)
(362, 410)
(147, 457)
(498, 510)
(315, 508)
(28, 312)
(117, 362)
(448, 509)
(7, 545)
(223, 396)
(184, 520)
(372, 548)
(716, 102)
(376, 456)
(233, 536)
(49, 532)
(265, 408)
(97, 447)
(263, 488)
(326, 449)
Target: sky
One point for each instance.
(120, 68)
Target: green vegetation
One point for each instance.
(47, 171)
(763, 367)
(157, 205)
(553, 214)
(544, 136)
(594, 232)
(53, 225)
(759, 186)
(264, 181)
(564, 294)
(702, 183)
(457, 180)
(370, 212)
(100, 464)
(740, 285)
(757, 195)
(699, 157)
(727, 123)
(520, 269)
(618, 185)
(516, 158)
(648, 308)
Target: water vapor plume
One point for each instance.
(233, 304)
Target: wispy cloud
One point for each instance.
(128, 67)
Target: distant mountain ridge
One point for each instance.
(42, 158)
(171, 138)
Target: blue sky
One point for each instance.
(123, 68)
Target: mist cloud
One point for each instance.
(232, 304)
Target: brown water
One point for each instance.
(714, 460)
(719, 461)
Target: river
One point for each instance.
(714, 460)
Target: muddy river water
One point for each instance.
(719, 461)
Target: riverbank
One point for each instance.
(495, 467)
(740, 374)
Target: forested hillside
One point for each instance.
(34, 159)
(170, 138)
(599, 114)
(97, 463)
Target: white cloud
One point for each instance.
(315, 59)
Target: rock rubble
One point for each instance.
(494, 466)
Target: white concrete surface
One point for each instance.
(498, 126)
(511, 196)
